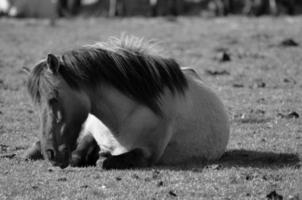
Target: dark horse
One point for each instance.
(140, 106)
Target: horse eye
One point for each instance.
(52, 101)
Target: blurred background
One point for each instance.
(148, 8)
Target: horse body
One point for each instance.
(143, 108)
(192, 126)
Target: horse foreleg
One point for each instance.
(129, 160)
(86, 153)
(34, 152)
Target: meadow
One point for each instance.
(253, 64)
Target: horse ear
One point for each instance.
(26, 70)
(53, 63)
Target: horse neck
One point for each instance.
(111, 106)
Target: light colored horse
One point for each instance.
(144, 109)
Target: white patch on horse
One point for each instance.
(102, 135)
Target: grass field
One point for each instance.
(261, 86)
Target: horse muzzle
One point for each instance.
(60, 157)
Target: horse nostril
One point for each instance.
(62, 148)
(50, 154)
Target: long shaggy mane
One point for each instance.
(130, 64)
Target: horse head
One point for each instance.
(63, 109)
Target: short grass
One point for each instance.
(260, 86)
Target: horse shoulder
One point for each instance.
(147, 131)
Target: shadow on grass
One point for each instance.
(244, 158)
(231, 158)
(249, 158)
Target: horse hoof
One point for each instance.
(33, 153)
(100, 162)
(106, 164)
(75, 160)
(28, 156)
(117, 164)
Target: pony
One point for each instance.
(90, 139)
(138, 104)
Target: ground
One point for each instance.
(253, 64)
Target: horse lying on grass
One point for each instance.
(154, 112)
